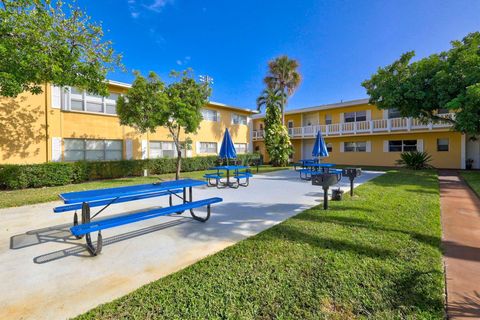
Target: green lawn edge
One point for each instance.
(376, 255)
(16, 198)
(472, 178)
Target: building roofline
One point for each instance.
(119, 84)
(232, 107)
(323, 107)
(127, 85)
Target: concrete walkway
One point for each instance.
(46, 274)
(460, 209)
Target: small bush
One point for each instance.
(62, 173)
(415, 160)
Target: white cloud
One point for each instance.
(137, 6)
(183, 61)
(158, 5)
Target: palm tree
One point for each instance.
(270, 98)
(283, 75)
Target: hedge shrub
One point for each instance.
(62, 173)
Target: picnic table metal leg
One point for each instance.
(194, 216)
(184, 200)
(75, 223)
(92, 249)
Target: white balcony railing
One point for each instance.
(362, 127)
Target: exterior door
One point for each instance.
(307, 148)
(473, 151)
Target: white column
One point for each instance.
(144, 149)
(420, 145)
(250, 134)
(56, 149)
(129, 149)
(56, 97)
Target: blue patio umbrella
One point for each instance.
(227, 150)
(320, 147)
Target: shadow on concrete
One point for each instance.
(221, 226)
(468, 308)
(80, 250)
(462, 252)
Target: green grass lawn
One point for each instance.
(376, 255)
(17, 198)
(473, 180)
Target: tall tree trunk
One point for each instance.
(176, 141)
(179, 163)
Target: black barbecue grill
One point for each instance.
(326, 180)
(352, 173)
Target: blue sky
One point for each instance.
(338, 43)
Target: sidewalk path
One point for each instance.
(460, 209)
(46, 274)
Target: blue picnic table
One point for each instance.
(85, 200)
(314, 168)
(231, 171)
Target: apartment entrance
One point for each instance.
(473, 151)
(307, 148)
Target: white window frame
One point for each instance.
(241, 148)
(330, 146)
(328, 119)
(356, 147)
(161, 152)
(448, 144)
(207, 116)
(355, 116)
(238, 119)
(85, 98)
(395, 112)
(84, 149)
(404, 145)
(206, 147)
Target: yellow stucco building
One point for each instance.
(358, 133)
(67, 124)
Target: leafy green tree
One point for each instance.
(49, 41)
(284, 76)
(277, 140)
(150, 104)
(448, 80)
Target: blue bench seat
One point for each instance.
(213, 176)
(242, 175)
(98, 203)
(306, 174)
(82, 229)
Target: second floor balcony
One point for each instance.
(364, 127)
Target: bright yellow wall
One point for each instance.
(335, 113)
(26, 132)
(23, 129)
(377, 157)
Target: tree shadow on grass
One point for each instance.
(311, 216)
(290, 233)
(417, 288)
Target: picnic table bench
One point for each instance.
(312, 168)
(238, 175)
(85, 200)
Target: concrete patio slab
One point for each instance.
(46, 274)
